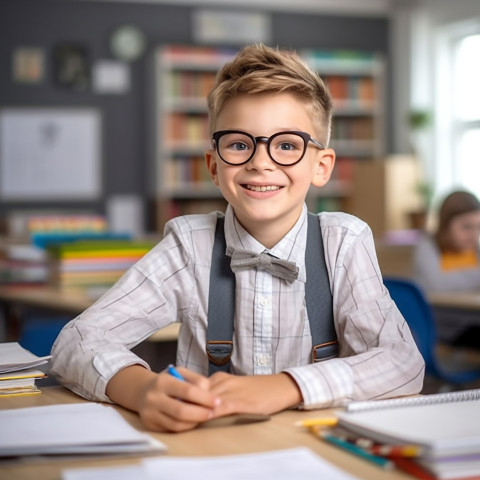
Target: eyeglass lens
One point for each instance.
(283, 148)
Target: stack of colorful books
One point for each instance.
(93, 263)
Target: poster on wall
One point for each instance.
(50, 154)
(71, 66)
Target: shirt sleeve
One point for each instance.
(94, 346)
(378, 356)
(432, 278)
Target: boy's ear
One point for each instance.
(323, 167)
(211, 162)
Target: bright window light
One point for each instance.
(466, 73)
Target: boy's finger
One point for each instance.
(194, 378)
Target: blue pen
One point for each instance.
(174, 373)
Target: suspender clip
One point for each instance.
(219, 352)
(324, 351)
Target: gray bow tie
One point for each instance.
(244, 259)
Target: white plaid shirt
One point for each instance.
(378, 357)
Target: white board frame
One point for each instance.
(50, 154)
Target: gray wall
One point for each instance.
(46, 23)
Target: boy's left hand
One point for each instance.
(264, 394)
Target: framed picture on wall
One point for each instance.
(71, 66)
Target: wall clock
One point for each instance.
(128, 43)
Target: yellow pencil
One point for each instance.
(318, 422)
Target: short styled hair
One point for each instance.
(259, 69)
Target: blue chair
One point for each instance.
(416, 310)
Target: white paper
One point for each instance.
(14, 357)
(111, 76)
(125, 214)
(71, 428)
(299, 463)
(50, 154)
(286, 464)
(133, 472)
(227, 27)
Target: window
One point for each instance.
(458, 109)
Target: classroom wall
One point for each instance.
(46, 23)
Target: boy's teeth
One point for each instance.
(263, 188)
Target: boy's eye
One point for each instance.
(239, 146)
(286, 146)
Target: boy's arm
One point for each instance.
(378, 355)
(162, 401)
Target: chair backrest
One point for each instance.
(416, 310)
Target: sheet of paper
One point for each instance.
(71, 428)
(274, 465)
(133, 472)
(14, 357)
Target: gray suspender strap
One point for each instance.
(318, 296)
(221, 300)
(221, 305)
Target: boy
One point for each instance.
(270, 121)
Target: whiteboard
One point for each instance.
(50, 154)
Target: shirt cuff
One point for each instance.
(107, 365)
(324, 384)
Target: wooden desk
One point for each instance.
(277, 433)
(49, 298)
(458, 300)
(455, 313)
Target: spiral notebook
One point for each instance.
(445, 424)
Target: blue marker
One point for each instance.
(173, 372)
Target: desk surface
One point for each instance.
(458, 300)
(220, 439)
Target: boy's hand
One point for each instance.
(264, 394)
(163, 402)
(175, 405)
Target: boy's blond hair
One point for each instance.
(258, 69)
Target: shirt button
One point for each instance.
(264, 302)
(264, 360)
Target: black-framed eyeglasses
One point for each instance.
(284, 148)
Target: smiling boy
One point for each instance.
(270, 125)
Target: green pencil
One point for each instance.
(358, 451)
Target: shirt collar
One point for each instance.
(291, 247)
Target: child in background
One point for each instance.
(449, 260)
(270, 118)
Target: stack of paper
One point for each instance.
(79, 428)
(446, 427)
(17, 370)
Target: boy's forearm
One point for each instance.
(126, 386)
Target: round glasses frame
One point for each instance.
(216, 136)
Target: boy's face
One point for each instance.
(268, 198)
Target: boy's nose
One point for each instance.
(261, 159)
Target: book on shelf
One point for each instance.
(18, 372)
(445, 427)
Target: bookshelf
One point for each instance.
(356, 83)
(184, 75)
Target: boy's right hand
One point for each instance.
(164, 402)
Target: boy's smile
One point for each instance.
(268, 198)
